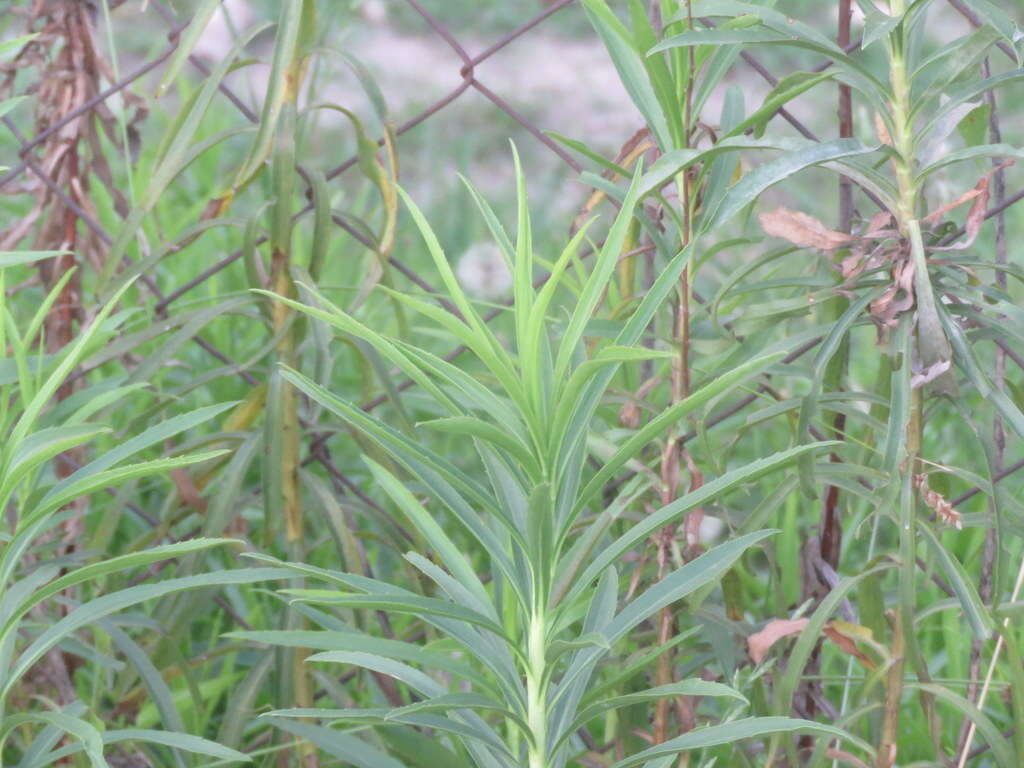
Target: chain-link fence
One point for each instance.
(40, 157)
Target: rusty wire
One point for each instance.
(468, 64)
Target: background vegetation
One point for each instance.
(683, 429)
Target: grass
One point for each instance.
(272, 521)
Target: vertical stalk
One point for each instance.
(536, 696)
(674, 453)
(831, 528)
(931, 343)
(893, 692)
(283, 436)
(830, 539)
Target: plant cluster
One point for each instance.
(726, 480)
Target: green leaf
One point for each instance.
(18, 258)
(1001, 747)
(712, 489)
(974, 126)
(340, 745)
(750, 187)
(100, 607)
(672, 415)
(974, 609)
(631, 69)
(185, 741)
(90, 738)
(186, 44)
(594, 288)
(683, 688)
(685, 580)
(787, 89)
(729, 733)
(414, 605)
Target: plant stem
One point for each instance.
(536, 699)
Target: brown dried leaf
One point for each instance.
(759, 643)
(803, 230)
(187, 490)
(936, 216)
(880, 226)
(938, 503)
(852, 266)
(882, 131)
(976, 214)
(920, 378)
(898, 297)
(844, 635)
(629, 414)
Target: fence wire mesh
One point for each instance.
(33, 162)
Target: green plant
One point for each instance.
(37, 567)
(499, 514)
(929, 94)
(533, 639)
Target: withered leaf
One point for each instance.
(803, 230)
(882, 131)
(976, 215)
(938, 503)
(936, 216)
(897, 298)
(881, 226)
(759, 643)
(929, 374)
(844, 635)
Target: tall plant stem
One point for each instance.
(674, 451)
(931, 345)
(831, 528)
(283, 433)
(536, 697)
(831, 536)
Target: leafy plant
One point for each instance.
(37, 569)
(497, 511)
(533, 640)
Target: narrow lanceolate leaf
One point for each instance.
(85, 732)
(180, 145)
(340, 745)
(107, 604)
(683, 688)
(672, 415)
(630, 66)
(447, 551)
(730, 480)
(975, 612)
(750, 187)
(596, 283)
(152, 436)
(728, 733)
(98, 570)
(200, 18)
(278, 91)
(1001, 747)
(41, 446)
(414, 605)
(18, 258)
(355, 642)
(185, 741)
(687, 579)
